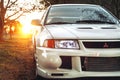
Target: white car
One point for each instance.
(77, 40)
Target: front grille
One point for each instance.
(115, 44)
(100, 63)
(66, 62)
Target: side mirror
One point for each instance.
(36, 22)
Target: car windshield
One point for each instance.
(79, 14)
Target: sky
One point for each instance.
(21, 2)
(27, 17)
(26, 4)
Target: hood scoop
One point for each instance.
(85, 28)
(108, 27)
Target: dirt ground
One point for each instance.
(17, 60)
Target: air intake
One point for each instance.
(100, 63)
(66, 62)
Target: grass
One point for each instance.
(17, 59)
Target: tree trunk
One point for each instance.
(1, 27)
(2, 14)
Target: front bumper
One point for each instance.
(74, 73)
(76, 70)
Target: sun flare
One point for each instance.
(26, 22)
(27, 29)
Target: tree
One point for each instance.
(1, 17)
(16, 9)
(45, 3)
(116, 7)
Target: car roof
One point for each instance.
(94, 5)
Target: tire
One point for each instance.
(38, 77)
(41, 78)
(34, 45)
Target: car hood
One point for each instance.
(83, 31)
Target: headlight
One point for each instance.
(62, 44)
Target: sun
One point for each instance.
(26, 22)
(26, 26)
(27, 29)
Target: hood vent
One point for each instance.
(108, 28)
(85, 28)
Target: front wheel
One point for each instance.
(41, 78)
(34, 44)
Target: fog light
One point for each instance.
(49, 60)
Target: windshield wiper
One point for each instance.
(58, 23)
(94, 21)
